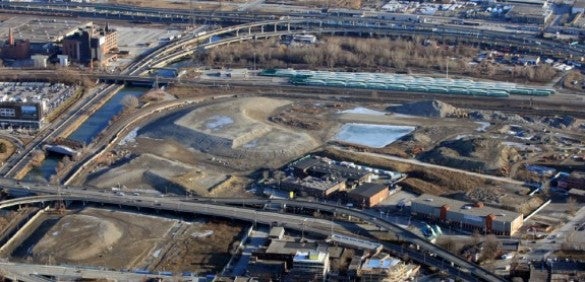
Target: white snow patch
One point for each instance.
(130, 138)
(363, 111)
(156, 253)
(371, 135)
(55, 233)
(218, 122)
(483, 125)
(203, 234)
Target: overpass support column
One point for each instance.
(261, 29)
(275, 29)
(237, 33)
(249, 30)
(288, 26)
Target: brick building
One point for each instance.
(15, 49)
(368, 194)
(90, 44)
(466, 215)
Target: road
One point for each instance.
(35, 271)
(544, 248)
(217, 207)
(434, 166)
(17, 161)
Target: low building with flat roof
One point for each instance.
(309, 266)
(467, 215)
(529, 14)
(369, 194)
(577, 194)
(313, 186)
(276, 232)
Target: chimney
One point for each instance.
(10, 37)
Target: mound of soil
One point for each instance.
(92, 236)
(428, 108)
(482, 155)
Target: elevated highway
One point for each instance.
(231, 208)
(307, 21)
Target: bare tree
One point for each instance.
(130, 102)
(492, 247)
(37, 158)
(571, 206)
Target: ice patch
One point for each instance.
(363, 111)
(156, 253)
(203, 234)
(251, 144)
(55, 233)
(130, 138)
(483, 125)
(217, 122)
(371, 135)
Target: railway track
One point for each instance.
(521, 105)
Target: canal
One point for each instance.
(87, 131)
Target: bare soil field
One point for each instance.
(201, 247)
(96, 237)
(235, 134)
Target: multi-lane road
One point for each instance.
(232, 208)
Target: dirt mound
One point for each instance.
(93, 236)
(496, 116)
(482, 155)
(428, 108)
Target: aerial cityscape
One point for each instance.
(292, 140)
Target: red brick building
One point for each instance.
(369, 194)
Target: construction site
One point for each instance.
(123, 239)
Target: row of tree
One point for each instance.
(369, 54)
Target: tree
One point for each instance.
(492, 247)
(571, 206)
(130, 102)
(3, 148)
(37, 158)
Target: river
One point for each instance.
(87, 131)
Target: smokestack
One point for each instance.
(10, 37)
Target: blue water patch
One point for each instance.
(88, 130)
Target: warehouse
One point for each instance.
(368, 195)
(466, 215)
(312, 186)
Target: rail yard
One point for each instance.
(291, 141)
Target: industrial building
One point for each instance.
(468, 216)
(15, 49)
(321, 167)
(91, 44)
(533, 14)
(312, 186)
(33, 36)
(25, 104)
(368, 195)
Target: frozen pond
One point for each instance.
(218, 122)
(371, 135)
(363, 111)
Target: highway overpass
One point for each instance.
(299, 20)
(219, 207)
